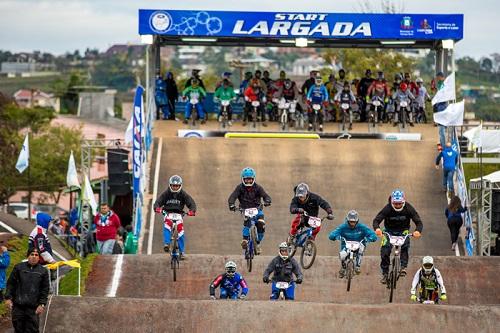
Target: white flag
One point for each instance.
(24, 156)
(474, 135)
(453, 115)
(129, 133)
(88, 195)
(72, 176)
(447, 92)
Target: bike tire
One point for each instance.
(174, 259)
(249, 265)
(350, 273)
(292, 249)
(391, 286)
(308, 244)
(253, 237)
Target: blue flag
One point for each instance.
(24, 156)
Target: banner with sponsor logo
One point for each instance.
(187, 23)
(138, 157)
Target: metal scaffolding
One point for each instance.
(481, 210)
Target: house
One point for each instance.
(28, 98)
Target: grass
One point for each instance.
(69, 283)
(10, 85)
(18, 246)
(472, 170)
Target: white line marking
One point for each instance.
(8, 228)
(59, 255)
(155, 193)
(116, 276)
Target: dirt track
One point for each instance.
(133, 315)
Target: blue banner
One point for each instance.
(137, 149)
(292, 25)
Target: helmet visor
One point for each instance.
(428, 266)
(175, 187)
(231, 270)
(398, 205)
(284, 251)
(248, 180)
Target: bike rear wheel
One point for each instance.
(308, 254)
(349, 274)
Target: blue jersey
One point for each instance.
(450, 158)
(230, 284)
(358, 233)
(317, 94)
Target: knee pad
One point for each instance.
(343, 255)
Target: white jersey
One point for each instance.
(422, 96)
(416, 281)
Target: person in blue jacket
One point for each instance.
(450, 161)
(352, 230)
(317, 94)
(161, 100)
(232, 284)
(4, 263)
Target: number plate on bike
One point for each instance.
(174, 216)
(314, 222)
(251, 212)
(397, 240)
(225, 103)
(193, 101)
(404, 104)
(376, 103)
(282, 285)
(352, 245)
(316, 106)
(345, 106)
(255, 103)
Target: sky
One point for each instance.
(58, 26)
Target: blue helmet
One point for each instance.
(398, 199)
(248, 176)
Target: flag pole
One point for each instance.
(29, 183)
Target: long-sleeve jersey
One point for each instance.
(434, 280)
(363, 86)
(450, 158)
(358, 233)
(378, 88)
(249, 196)
(317, 94)
(253, 95)
(175, 201)
(311, 205)
(231, 284)
(283, 270)
(422, 96)
(345, 97)
(400, 95)
(288, 94)
(398, 221)
(225, 94)
(192, 92)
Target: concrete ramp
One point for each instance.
(89, 314)
(468, 280)
(354, 174)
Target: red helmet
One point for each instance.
(403, 86)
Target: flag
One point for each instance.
(88, 195)
(72, 176)
(24, 156)
(474, 135)
(453, 115)
(447, 92)
(129, 133)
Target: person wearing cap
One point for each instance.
(352, 230)
(27, 292)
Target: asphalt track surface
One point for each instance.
(357, 174)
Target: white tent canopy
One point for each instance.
(493, 177)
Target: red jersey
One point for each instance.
(378, 88)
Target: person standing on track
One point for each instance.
(396, 216)
(250, 195)
(173, 200)
(454, 216)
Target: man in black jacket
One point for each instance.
(173, 200)
(283, 267)
(250, 195)
(396, 216)
(305, 201)
(27, 292)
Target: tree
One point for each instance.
(114, 72)
(356, 61)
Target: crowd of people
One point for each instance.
(370, 98)
(396, 217)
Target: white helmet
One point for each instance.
(175, 180)
(419, 80)
(230, 268)
(427, 264)
(283, 246)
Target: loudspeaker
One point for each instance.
(495, 211)
(119, 177)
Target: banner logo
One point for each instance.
(160, 21)
(406, 23)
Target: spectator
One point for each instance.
(363, 86)
(161, 97)
(438, 84)
(130, 241)
(245, 83)
(308, 83)
(40, 240)
(450, 160)
(4, 263)
(27, 292)
(195, 74)
(172, 94)
(454, 215)
(107, 223)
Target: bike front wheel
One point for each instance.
(308, 254)
(349, 274)
(174, 262)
